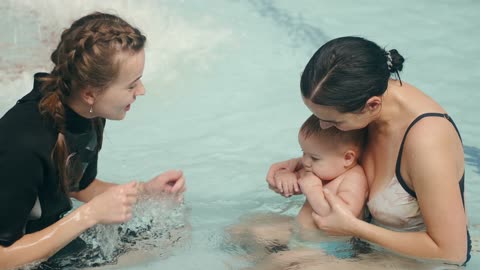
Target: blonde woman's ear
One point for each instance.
(89, 95)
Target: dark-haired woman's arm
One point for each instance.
(291, 165)
(433, 162)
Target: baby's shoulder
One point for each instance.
(355, 175)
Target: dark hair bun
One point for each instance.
(397, 61)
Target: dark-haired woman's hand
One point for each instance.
(292, 165)
(340, 220)
(287, 183)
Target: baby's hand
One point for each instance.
(309, 181)
(286, 182)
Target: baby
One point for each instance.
(330, 161)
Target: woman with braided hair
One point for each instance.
(413, 158)
(49, 142)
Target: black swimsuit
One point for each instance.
(30, 194)
(410, 191)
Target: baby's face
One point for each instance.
(321, 158)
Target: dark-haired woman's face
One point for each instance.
(330, 117)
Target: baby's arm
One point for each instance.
(312, 187)
(353, 191)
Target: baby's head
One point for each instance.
(329, 152)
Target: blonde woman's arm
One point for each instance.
(112, 206)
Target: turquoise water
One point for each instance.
(223, 99)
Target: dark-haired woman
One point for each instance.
(413, 160)
(49, 142)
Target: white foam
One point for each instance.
(33, 30)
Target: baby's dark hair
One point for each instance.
(356, 138)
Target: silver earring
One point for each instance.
(91, 109)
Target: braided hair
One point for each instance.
(84, 57)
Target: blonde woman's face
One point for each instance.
(114, 102)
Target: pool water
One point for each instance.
(223, 99)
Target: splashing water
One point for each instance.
(159, 226)
(33, 30)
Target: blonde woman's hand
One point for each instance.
(114, 205)
(172, 182)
